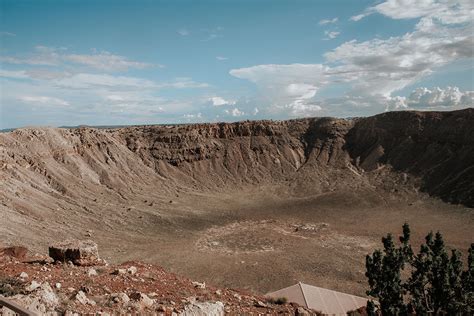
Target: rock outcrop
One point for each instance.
(436, 147)
(79, 252)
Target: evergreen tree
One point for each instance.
(437, 284)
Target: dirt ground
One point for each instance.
(263, 243)
(254, 205)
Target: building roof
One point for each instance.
(326, 301)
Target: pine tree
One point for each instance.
(437, 284)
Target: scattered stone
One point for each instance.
(48, 296)
(218, 292)
(143, 299)
(23, 275)
(199, 285)
(119, 271)
(83, 299)
(132, 270)
(301, 311)
(203, 309)
(120, 298)
(33, 286)
(161, 308)
(58, 285)
(92, 272)
(260, 304)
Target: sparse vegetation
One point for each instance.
(430, 282)
(10, 286)
(279, 300)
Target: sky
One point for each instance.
(65, 63)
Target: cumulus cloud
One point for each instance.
(219, 101)
(438, 98)
(373, 71)
(328, 21)
(386, 65)
(445, 11)
(235, 112)
(286, 87)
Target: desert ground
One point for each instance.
(256, 206)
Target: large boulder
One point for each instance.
(79, 252)
(203, 309)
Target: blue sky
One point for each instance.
(152, 62)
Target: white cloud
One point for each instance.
(274, 74)
(7, 34)
(105, 61)
(212, 34)
(328, 21)
(445, 11)
(14, 74)
(183, 83)
(183, 32)
(43, 100)
(221, 58)
(286, 87)
(450, 97)
(359, 17)
(331, 34)
(255, 111)
(382, 66)
(193, 117)
(50, 56)
(371, 71)
(87, 81)
(219, 101)
(298, 108)
(235, 112)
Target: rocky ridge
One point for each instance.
(132, 287)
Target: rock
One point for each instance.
(199, 285)
(260, 304)
(120, 298)
(58, 285)
(142, 299)
(33, 286)
(161, 308)
(218, 292)
(119, 271)
(203, 309)
(78, 252)
(16, 252)
(31, 303)
(48, 296)
(83, 299)
(23, 275)
(92, 272)
(132, 270)
(301, 311)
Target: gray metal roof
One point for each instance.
(326, 301)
